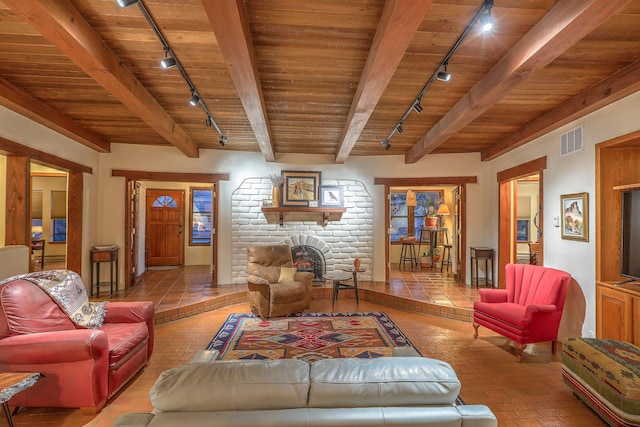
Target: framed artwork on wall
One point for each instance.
(331, 196)
(300, 187)
(522, 230)
(575, 216)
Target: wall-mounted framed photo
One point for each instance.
(331, 196)
(300, 187)
(522, 230)
(575, 216)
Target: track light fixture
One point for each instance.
(168, 62)
(171, 61)
(126, 3)
(443, 76)
(195, 99)
(484, 18)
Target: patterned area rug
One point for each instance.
(308, 336)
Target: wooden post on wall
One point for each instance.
(18, 201)
(74, 221)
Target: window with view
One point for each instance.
(407, 220)
(58, 216)
(201, 217)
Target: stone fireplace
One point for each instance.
(339, 242)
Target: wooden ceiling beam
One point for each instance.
(62, 25)
(624, 82)
(231, 27)
(398, 24)
(564, 25)
(31, 107)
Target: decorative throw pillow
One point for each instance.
(287, 274)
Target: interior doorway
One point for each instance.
(521, 215)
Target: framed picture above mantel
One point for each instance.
(300, 187)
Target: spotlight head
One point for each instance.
(399, 128)
(387, 146)
(126, 3)
(208, 122)
(486, 21)
(443, 76)
(223, 140)
(168, 62)
(195, 99)
(417, 107)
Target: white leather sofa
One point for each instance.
(407, 391)
(14, 260)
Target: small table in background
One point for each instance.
(339, 279)
(100, 254)
(12, 383)
(478, 254)
(38, 245)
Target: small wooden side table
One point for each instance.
(339, 278)
(100, 254)
(12, 383)
(38, 245)
(355, 272)
(478, 254)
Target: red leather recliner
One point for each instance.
(82, 368)
(528, 310)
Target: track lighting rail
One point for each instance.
(484, 16)
(171, 61)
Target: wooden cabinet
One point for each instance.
(617, 307)
(618, 312)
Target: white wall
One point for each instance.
(574, 173)
(24, 131)
(104, 210)
(241, 166)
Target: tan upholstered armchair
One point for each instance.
(275, 287)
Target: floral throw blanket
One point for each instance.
(66, 288)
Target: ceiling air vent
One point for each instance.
(571, 141)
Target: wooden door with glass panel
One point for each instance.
(165, 226)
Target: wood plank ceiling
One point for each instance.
(327, 77)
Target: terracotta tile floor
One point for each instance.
(520, 394)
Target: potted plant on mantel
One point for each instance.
(276, 182)
(431, 216)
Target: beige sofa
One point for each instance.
(407, 391)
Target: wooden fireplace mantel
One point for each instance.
(283, 214)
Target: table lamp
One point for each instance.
(411, 198)
(442, 211)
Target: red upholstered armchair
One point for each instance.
(82, 367)
(528, 310)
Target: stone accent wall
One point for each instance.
(341, 242)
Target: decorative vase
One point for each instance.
(356, 264)
(430, 221)
(275, 196)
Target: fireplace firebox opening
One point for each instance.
(308, 258)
